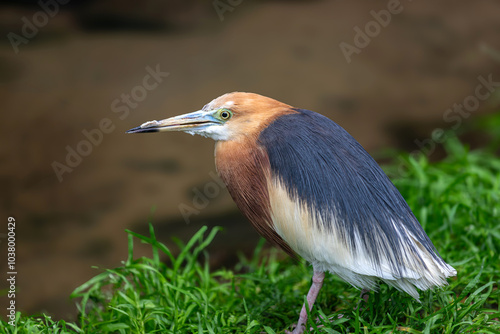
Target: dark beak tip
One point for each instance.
(138, 129)
(133, 130)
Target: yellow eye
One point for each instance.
(225, 114)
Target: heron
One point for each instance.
(308, 187)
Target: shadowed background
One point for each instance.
(91, 67)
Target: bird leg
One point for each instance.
(365, 294)
(317, 283)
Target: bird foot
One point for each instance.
(296, 330)
(301, 330)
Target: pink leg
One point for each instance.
(317, 283)
(365, 294)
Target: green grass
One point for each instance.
(457, 200)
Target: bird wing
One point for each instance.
(333, 204)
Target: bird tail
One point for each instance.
(432, 271)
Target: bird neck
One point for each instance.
(244, 168)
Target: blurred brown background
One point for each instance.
(79, 60)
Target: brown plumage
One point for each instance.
(245, 171)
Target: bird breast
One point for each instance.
(244, 168)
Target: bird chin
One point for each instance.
(215, 131)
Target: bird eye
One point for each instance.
(225, 114)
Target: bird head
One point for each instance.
(232, 116)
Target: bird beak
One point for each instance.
(188, 122)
